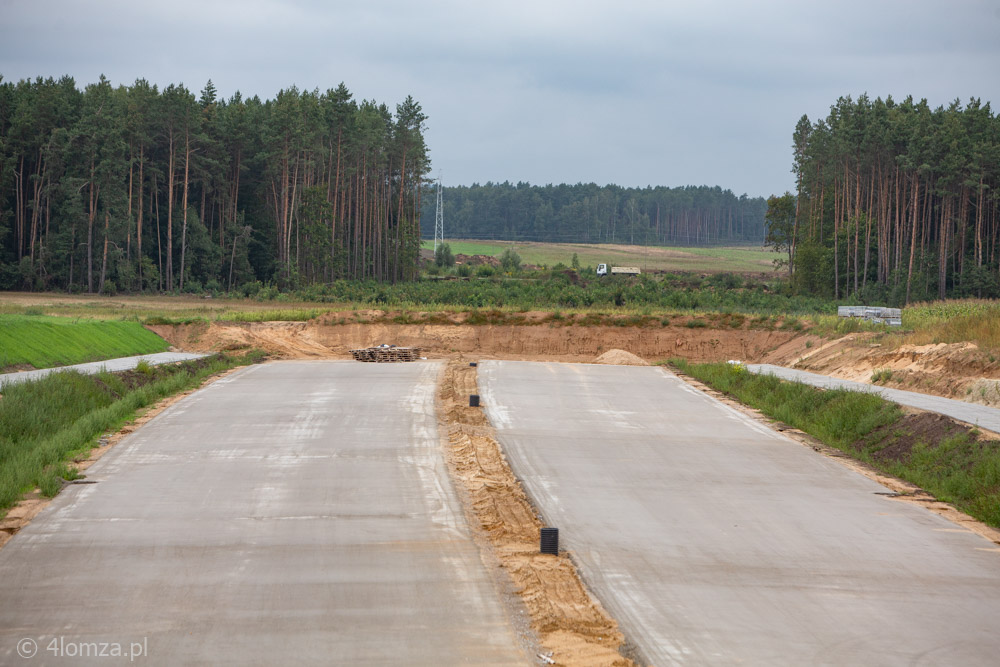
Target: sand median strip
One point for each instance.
(570, 623)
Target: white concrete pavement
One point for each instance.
(290, 513)
(120, 364)
(714, 540)
(979, 415)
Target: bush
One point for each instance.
(443, 256)
(510, 261)
(881, 375)
(485, 271)
(464, 270)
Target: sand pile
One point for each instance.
(618, 357)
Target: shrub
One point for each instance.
(443, 256)
(510, 261)
(881, 375)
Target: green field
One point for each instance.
(743, 259)
(43, 342)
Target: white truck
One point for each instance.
(604, 270)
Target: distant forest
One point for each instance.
(138, 188)
(896, 202)
(589, 213)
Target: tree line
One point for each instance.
(141, 188)
(895, 201)
(590, 213)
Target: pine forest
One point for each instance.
(140, 188)
(590, 213)
(896, 202)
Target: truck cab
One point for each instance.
(602, 269)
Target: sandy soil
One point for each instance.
(953, 370)
(535, 342)
(620, 358)
(572, 626)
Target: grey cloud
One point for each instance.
(634, 93)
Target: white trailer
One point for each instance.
(603, 270)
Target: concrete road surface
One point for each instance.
(122, 364)
(980, 415)
(290, 513)
(716, 541)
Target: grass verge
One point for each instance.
(44, 342)
(945, 459)
(46, 423)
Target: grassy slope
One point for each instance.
(959, 469)
(44, 423)
(956, 321)
(715, 260)
(44, 342)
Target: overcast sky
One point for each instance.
(634, 93)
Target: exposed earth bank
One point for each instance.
(961, 371)
(957, 370)
(540, 341)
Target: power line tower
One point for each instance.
(438, 219)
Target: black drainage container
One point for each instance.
(473, 400)
(550, 541)
(472, 363)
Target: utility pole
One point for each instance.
(438, 219)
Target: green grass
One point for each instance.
(162, 309)
(957, 469)
(44, 342)
(47, 422)
(957, 321)
(661, 258)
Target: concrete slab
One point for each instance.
(715, 541)
(294, 512)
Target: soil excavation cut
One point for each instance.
(571, 625)
(956, 370)
(535, 340)
(961, 371)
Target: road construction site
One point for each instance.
(366, 513)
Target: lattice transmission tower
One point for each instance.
(438, 219)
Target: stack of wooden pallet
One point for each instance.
(384, 354)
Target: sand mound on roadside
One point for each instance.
(620, 358)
